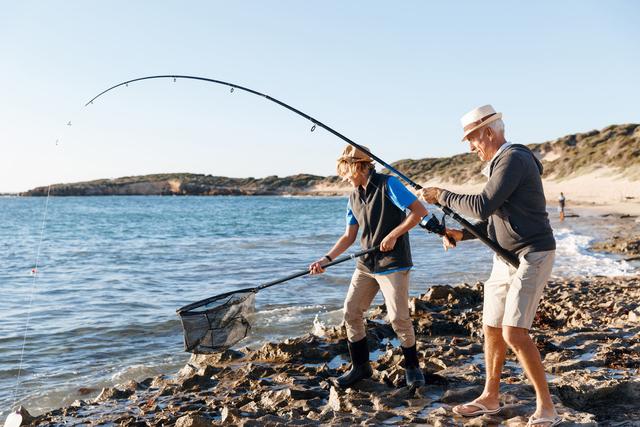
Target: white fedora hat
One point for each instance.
(477, 118)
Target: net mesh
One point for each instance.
(217, 323)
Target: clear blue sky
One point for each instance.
(393, 76)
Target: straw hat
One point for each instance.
(477, 118)
(352, 155)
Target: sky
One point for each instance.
(395, 77)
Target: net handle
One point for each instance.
(187, 308)
(305, 272)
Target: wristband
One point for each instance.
(328, 257)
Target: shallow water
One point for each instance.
(113, 270)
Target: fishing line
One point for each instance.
(35, 273)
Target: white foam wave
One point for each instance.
(287, 314)
(574, 258)
(319, 328)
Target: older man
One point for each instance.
(512, 210)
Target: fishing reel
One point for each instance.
(434, 225)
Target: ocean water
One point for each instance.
(113, 270)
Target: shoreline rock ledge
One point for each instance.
(588, 330)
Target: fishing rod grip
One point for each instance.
(508, 256)
(352, 256)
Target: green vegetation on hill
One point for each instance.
(616, 147)
(183, 184)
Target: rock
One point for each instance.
(433, 364)
(462, 395)
(112, 394)
(200, 360)
(229, 415)
(196, 382)
(160, 381)
(131, 386)
(251, 407)
(193, 420)
(336, 400)
(585, 392)
(275, 399)
(304, 349)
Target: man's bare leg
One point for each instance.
(495, 353)
(528, 355)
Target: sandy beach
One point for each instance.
(600, 191)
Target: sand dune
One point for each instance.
(602, 189)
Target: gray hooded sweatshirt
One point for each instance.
(511, 206)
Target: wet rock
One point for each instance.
(160, 381)
(113, 393)
(83, 391)
(628, 245)
(461, 395)
(197, 382)
(78, 403)
(305, 349)
(434, 364)
(586, 393)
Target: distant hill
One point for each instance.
(615, 148)
(188, 184)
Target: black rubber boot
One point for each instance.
(412, 371)
(360, 367)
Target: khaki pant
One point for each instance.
(395, 289)
(511, 296)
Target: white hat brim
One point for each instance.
(491, 119)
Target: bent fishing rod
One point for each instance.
(432, 225)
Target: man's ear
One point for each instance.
(490, 133)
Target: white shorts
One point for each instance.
(512, 296)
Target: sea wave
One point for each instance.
(575, 258)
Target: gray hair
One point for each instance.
(497, 126)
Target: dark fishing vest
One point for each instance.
(377, 216)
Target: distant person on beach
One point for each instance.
(561, 202)
(512, 210)
(376, 206)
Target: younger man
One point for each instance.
(376, 205)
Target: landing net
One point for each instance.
(217, 323)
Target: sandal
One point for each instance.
(481, 410)
(553, 421)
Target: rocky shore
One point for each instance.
(624, 240)
(588, 331)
